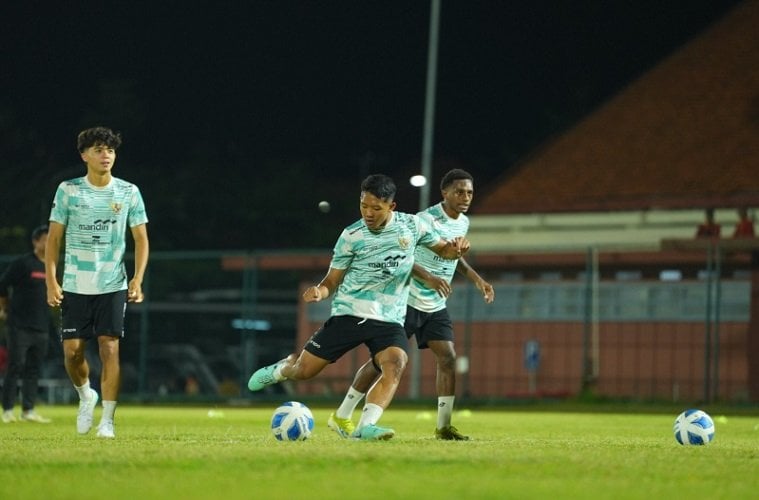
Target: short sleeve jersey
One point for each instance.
(378, 265)
(96, 220)
(422, 297)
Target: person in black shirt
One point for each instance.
(28, 319)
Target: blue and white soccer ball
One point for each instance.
(292, 421)
(694, 427)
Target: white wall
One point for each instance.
(633, 229)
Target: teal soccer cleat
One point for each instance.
(263, 377)
(373, 432)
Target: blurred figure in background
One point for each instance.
(709, 228)
(28, 316)
(744, 228)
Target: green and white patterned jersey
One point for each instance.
(421, 297)
(378, 264)
(96, 220)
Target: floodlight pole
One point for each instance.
(428, 134)
(429, 104)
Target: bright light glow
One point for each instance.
(418, 180)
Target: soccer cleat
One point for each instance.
(32, 416)
(105, 430)
(450, 433)
(373, 432)
(9, 417)
(86, 412)
(263, 377)
(343, 426)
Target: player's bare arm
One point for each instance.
(52, 253)
(451, 249)
(436, 283)
(487, 290)
(326, 287)
(141, 252)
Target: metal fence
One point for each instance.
(205, 325)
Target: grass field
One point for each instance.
(178, 452)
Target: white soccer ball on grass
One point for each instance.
(292, 421)
(694, 427)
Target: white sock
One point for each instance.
(84, 391)
(351, 400)
(444, 410)
(109, 408)
(370, 415)
(277, 373)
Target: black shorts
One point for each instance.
(340, 334)
(428, 326)
(88, 316)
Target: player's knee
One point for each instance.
(445, 354)
(447, 360)
(108, 349)
(393, 364)
(73, 355)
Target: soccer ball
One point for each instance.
(292, 421)
(694, 427)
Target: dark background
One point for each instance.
(239, 117)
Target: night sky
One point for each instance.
(238, 117)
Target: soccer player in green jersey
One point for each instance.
(369, 277)
(427, 316)
(94, 212)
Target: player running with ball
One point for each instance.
(427, 316)
(369, 278)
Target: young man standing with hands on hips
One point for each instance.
(94, 212)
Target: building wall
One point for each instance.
(662, 361)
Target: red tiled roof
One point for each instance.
(685, 135)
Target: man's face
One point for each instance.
(458, 196)
(99, 158)
(40, 243)
(375, 211)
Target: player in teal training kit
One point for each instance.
(94, 212)
(427, 317)
(369, 276)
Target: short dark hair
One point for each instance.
(454, 175)
(97, 136)
(38, 231)
(380, 185)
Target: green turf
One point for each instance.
(183, 453)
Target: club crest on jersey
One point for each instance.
(116, 207)
(404, 242)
